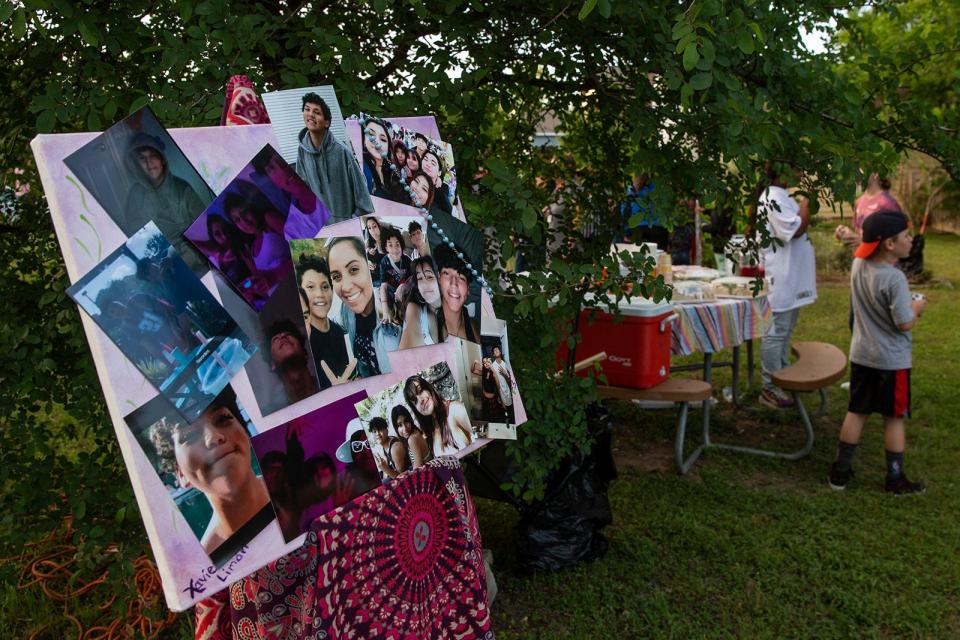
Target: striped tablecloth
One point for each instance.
(713, 326)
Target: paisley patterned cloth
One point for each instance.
(241, 104)
(403, 562)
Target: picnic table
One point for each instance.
(716, 325)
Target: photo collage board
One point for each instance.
(283, 336)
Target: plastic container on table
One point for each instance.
(637, 347)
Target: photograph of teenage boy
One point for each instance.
(453, 318)
(376, 167)
(395, 269)
(146, 299)
(445, 423)
(289, 358)
(418, 241)
(371, 340)
(395, 459)
(305, 213)
(138, 174)
(373, 232)
(417, 448)
(213, 455)
(328, 340)
(421, 305)
(329, 167)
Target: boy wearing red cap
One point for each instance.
(880, 350)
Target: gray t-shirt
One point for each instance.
(881, 301)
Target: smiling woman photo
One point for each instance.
(350, 276)
(213, 456)
(445, 423)
(453, 317)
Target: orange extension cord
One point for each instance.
(47, 564)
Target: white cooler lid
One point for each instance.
(637, 307)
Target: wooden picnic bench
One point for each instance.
(818, 366)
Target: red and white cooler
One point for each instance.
(637, 347)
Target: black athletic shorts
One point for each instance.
(879, 391)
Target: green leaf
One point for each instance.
(745, 42)
(686, 93)
(139, 103)
(681, 29)
(604, 8)
(6, 10)
(110, 110)
(19, 24)
(690, 56)
(529, 218)
(586, 9)
(701, 81)
(89, 33)
(684, 41)
(46, 120)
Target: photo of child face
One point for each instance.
(428, 285)
(394, 250)
(213, 453)
(319, 293)
(453, 289)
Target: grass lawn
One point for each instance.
(742, 546)
(749, 547)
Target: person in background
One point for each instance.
(504, 377)
(328, 166)
(876, 197)
(418, 241)
(792, 272)
(433, 168)
(288, 357)
(395, 269)
(406, 428)
(881, 349)
(395, 449)
(375, 248)
(376, 170)
(637, 202)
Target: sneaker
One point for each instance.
(774, 400)
(903, 487)
(837, 479)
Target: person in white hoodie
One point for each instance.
(791, 266)
(328, 166)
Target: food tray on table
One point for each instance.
(738, 287)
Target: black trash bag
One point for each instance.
(912, 265)
(565, 527)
